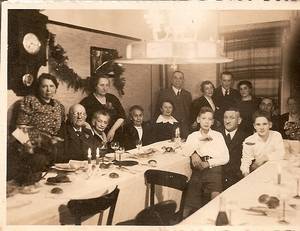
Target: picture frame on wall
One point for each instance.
(100, 60)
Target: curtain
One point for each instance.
(257, 54)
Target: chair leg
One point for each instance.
(100, 218)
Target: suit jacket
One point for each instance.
(130, 135)
(197, 104)
(76, 145)
(223, 102)
(231, 171)
(182, 105)
(283, 118)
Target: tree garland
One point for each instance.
(58, 62)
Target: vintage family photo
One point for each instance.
(167, 116)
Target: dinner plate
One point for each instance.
(64, 167)
(125, 162)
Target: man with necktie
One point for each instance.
(225, 96)
(234, 138)
(181, 99)
(78, 135)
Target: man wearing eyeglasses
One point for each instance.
(78, 135)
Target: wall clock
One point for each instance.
(31, 43)
(27, 43)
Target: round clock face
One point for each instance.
(31, 43)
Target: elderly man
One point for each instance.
(78, 136)
(267, 105)
(225, 96)
(180, 97)
(234, 138)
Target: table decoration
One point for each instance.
(56, 190)
(114, 175)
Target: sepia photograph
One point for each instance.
(168, 116)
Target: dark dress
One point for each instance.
(130, 135)
(247, 109)
(113, 105)
(165, 131)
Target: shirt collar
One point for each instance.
(232, 133)
(176, 90)
(162, 119)
(77, 129)
(224, 90)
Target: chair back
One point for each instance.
(159, 214)
(88, 207)
(168, 179)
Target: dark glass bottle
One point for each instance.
(222, 218)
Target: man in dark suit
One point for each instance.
(225, 96)
(136, 129)
(292, 116)
(234, 138)
(78, 136)
(180, 97)
(267, 105)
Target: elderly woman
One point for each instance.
(165, 126)
(207, 88)
(290, 119)
(100, 99)
(247, 106)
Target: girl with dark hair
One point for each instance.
(166, 125)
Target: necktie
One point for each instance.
(77, 133)
(226, 92)
(178, 93)
(228, 137)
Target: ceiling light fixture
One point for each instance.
(175, 41)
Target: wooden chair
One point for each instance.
(89, 207)
(159, 214)
(168, 179)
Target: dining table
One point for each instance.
(42, 207)
(248, 202)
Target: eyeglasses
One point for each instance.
(77, 114)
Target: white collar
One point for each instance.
(162, 119)
(176, 90)
(77, 130)
(224, 90)
(140, 127)
(232, 133)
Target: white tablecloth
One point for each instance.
(245, 193)
(43, 207)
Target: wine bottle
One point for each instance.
(222, 218)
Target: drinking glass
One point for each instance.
(120, 151)
(103, 151)
(138, 145)
(114, 145)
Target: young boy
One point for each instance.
(263, 145)
(136, 129)
(208, 152)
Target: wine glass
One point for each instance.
(114, 145)
(283, 195)
(120, 151)
(297, 195)
(138, 145)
